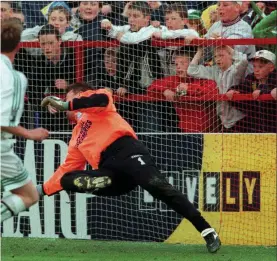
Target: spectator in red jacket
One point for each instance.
(193, 117)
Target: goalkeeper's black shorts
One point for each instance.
(126, 161)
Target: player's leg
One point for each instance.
(16, 179)
(150, 179)
(135, 160)
(84, 181)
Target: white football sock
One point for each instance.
(10, 206)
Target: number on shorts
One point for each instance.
(141, 161)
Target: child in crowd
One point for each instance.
(108, 79)
(193, 118)
(132, 34)
(176, 19)
(195, 22)
(87, 23)
(138, 62)
(157, 14)
(230, 26)
(47, 74)
(264, 78)
(60, 18)
(50, 72)
(229, 70)
(88, 19)
(262, 81)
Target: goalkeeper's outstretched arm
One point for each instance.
(95, 100)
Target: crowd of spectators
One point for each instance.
(138, 67)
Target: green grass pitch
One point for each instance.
(28, 249)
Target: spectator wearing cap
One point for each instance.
(231, 26)
(262, 81)
(195, 22)
(264, 78)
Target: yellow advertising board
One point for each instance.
(237, 190)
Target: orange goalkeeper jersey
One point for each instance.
(96, 129)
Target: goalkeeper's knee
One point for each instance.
(84, 183)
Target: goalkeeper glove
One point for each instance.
(181, 93)
(55, 102)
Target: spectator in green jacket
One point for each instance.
(267, 28)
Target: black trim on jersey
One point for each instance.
(95, 100)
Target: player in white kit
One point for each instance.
(14, 177)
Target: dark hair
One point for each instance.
(99, 2)
(182, 52)
(11, 30)
(141, 6)
(111, 52)
(78, 87)
(178, 8)
(199, 24)
(61, 9)
(49, 29)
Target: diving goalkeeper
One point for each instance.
(108, 143)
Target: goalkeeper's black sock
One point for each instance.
(199, 223)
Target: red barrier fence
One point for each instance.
(79, 47)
